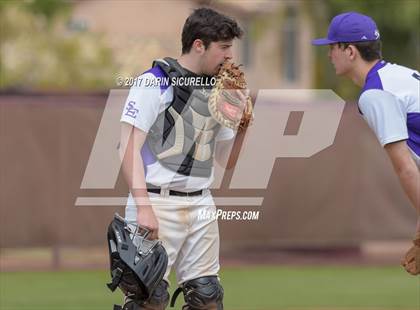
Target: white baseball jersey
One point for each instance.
(390, 104)
(151, 96)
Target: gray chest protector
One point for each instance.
(183, 136)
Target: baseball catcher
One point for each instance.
(137, 264)
(229, 104)
(411, 261)
(171, 139)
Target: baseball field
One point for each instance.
(250, 288)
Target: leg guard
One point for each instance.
(158, 301)
(203, 293)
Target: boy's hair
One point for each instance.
(209, 26)
(369, 50)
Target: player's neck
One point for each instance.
(188, 62)
(360, 71)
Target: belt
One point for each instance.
(157, 190)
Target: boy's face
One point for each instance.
(340, 58)
(215, 54)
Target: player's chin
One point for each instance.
(215, 71)
(336, 69)
(339, 72)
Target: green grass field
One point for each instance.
(256, 288)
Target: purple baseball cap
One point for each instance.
(350, 27)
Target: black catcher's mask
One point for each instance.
(137, 264)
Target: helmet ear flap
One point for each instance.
(137, 264)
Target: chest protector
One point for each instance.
(183, 136)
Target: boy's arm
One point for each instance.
(132, 140)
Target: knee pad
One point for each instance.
(202, 293)
(157, 301)
(128, 305)
(160, 297)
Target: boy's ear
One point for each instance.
(198, 46)
(352, 50)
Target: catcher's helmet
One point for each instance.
(137, 264)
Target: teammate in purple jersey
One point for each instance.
(389, 102)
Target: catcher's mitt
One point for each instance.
(228, 104)
(411, 261)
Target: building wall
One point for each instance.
(137, 31)
(140, 31)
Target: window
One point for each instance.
(290, 55)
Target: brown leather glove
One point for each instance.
(226, 104)
(411, 261)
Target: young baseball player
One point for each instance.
(389, 102)
(168, 143)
